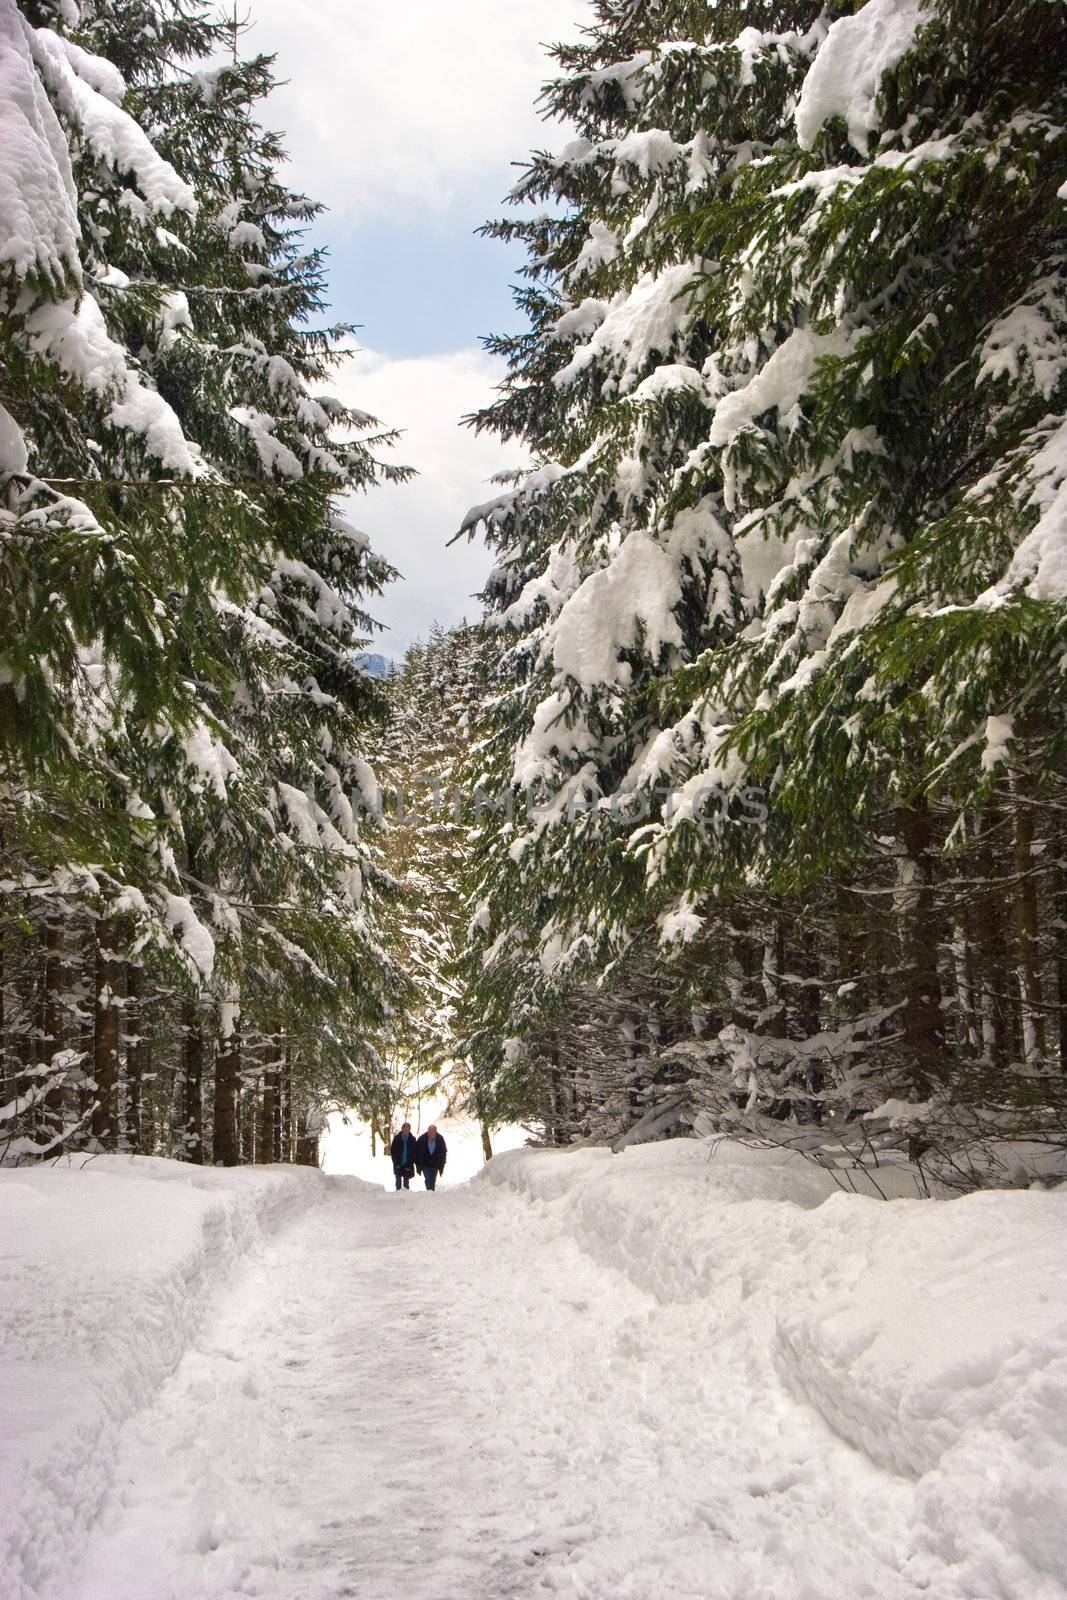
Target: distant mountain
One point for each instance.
(375, 666)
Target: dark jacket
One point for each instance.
(396, 1150)
(424, 1159)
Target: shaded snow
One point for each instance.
(1028, 337)
(274, 454)
(192, 936)
(999, 735)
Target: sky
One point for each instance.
(405, 120)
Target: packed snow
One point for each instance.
(686, 1370)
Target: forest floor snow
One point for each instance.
(676, 1373)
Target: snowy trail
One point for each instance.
(443, 1397)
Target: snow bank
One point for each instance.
(107, 1269)
(930, 1336)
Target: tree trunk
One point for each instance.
(307, 1139)
(993, 959)
(773, 1020)
(803, 959)
(21, 1081)
(1061, 954)
(853, 925)
(52, 1013)
(807, 1004)
(285, 1107)
(136, 1055)
(193, 1064)
(487, 1144)
(925, 1056)
(105, 1122)
(1028, 944)
(50, 1114)
(7, 1078)
(555, 1127)
(247, 1112)
(151, 1105)
(225, 1133)
(963, 965)
(268, 1116)
(276, 1122)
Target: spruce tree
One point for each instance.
(436, 699)
(793, 379)
(184, 752)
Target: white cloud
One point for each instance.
(411, 104)
(411, 523)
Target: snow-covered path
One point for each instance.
(443, 1397)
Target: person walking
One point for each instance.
(431, 1153)
(403, 1153)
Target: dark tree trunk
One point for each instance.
(554, 1100)
(105, 1122)
(1061, 954)
(774, 1021)
(193, 1065)
(307, 1141)
(50, 1116)
(807, 992)
(276, 1120)
(993, 960)
(1028, 942)
(52, 1010)
(966, 982)
(225, 1133)
(268, 1124)
(285, 1107)
(136, 1057)
(6, 1076)
(926, 1061)
(247, 1103)
(852, 925)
